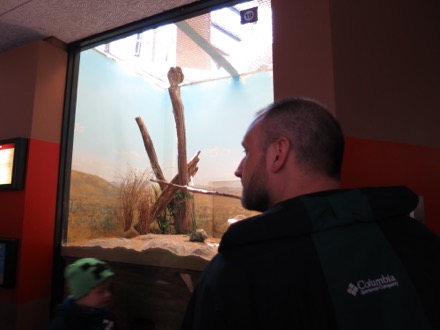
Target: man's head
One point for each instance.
(89, 282)
(292, 147)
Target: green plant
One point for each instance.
(180, 207)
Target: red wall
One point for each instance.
(37, 234)
(377, 163)
(32, 87)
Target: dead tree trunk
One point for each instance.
(184, 211)
(168, 193)
(151, 152)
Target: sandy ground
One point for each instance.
(173, 251)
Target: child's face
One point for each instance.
(98, 297)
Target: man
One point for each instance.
(318, 257)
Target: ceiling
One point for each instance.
(23, 21)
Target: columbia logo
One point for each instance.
(372, 285)
(352, 289)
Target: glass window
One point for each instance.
(226, 59)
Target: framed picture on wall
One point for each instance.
(8, 262)
(13, 156)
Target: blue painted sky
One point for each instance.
(107, 140)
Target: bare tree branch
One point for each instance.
(197, 190)
(167, 194)
(151, 152)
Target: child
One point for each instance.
(89, 281)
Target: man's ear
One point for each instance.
(279, 154)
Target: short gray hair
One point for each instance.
(314, 133)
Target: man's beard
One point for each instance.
(255, 196)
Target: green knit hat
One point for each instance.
(86, 274)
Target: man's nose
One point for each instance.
(238, 172)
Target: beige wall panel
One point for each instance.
(49, 93)
(387, 69)
(17, 88)
(302, 51)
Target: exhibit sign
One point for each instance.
(13, 155)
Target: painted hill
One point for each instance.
(93, 207)
(84, 184)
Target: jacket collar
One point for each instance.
(324, 210)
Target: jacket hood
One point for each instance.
(324, 210)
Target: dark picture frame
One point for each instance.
(8, 262)
(13, 159)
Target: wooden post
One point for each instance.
(184, 211)
(151, 152)
(168, 193)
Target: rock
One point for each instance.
(198, 236)
(130, 233)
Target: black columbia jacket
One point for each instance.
(343, 259)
